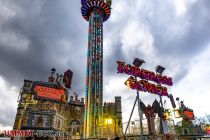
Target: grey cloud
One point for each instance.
(177, 39)
(7, 118)
(190, 38)
(45, 25)
(192, 31)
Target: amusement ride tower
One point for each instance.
(96, 12)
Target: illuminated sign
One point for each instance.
(43, 92)
(143, 85)
(145, 75)
(189, 114)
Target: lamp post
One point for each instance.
(137, 62)
(159, 69)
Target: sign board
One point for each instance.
(49, 93)
(143, 85)
(145, 75)
(189, 114)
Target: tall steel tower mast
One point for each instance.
(96, 12)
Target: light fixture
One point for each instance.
(108, 121)
(138, 62)
(159, 69)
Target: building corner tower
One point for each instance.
(96, 12)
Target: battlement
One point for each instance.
(75, 100)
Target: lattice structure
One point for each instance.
(96, 12)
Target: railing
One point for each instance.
(135, 129)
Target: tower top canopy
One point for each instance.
(88, 5)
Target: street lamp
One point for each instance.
(137, 62)
(159, 69)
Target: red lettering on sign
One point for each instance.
(128, 69)
(49, 92)
(120, 67)
(143, 74)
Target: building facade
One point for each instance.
(112, 115)
(44, 106)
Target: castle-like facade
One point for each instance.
(47, 106)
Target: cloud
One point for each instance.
(40, 35)
(153, 30)
(8, 102)
(194, 88)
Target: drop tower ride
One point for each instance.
(96, 12)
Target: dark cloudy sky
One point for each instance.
(38, 35)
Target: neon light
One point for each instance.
(145, 86)
(47, 92)
(143, 74)
(189, 114)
